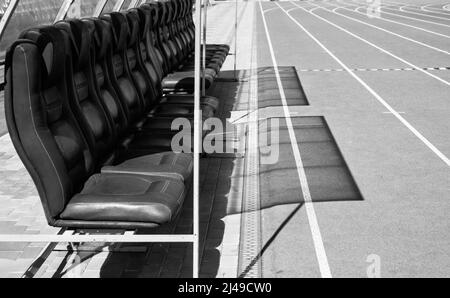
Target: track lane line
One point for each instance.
(357, 8)
(377, 47)
(413, 6)
(270, 9)
(436, 151)
(385, 30)
(403, 9)
(402, 16)
(430, 9)
(311, 214)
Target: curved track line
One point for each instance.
(380, 48)
(402, 8)
(387, 31)
(436, 151)
(406, 17)
(357, 8)
(430, 9)
(421, 7)
(416, 7)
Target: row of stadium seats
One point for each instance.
(89, 107)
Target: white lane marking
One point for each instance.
(375, 94)
(402, 8)
(290, 9)
(388, 31)
(379, 48)
(357, 8)
(270, 9)
(431, 9)
(311, 214)
(425, 8)
(406, 17)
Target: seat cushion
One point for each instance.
(124, 197)
(169, 109)
(165, 164)
(211, 101)
(184, 81)
(148, 142)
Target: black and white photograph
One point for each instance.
(237, 142)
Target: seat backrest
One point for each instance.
(172, 36)
(188, 22)
(83, 97)
(161, 35)
(120, 76)
(180, 28)
(41, 124)
(102, 42)
(136, 66)
(147, 53)
(153, 45)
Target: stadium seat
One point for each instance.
(52, 146)
(92, 123)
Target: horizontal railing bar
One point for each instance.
(96, 238)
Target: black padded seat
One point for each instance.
(182, 77)
(183, 81)
(175, 166)
(53, 148)
(126, 198)
(93, 118)
(129, 33)
(211, 101)
(148, 134)
(149, 53)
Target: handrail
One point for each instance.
(63, 10)
(99, 8)
(118, 5)
(134, 3)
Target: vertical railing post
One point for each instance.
(205, 10)
(197, 128)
